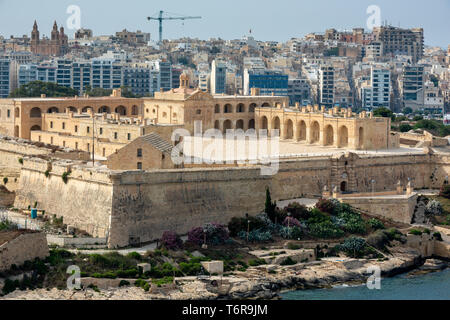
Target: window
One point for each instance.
(76, 145)
(9, 113)
(88, 129)
(199, 111)
(139, 153)
(101, 130)
(63, 125)
(115, 135)
(129, 136)
(139, 165)
(76, 128)
(51, 124)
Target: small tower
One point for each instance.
(184, 81)
(55, 33)
(35, 33)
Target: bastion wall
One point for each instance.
(136, 207)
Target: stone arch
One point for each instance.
(71, 109)
(251, 108)
(35, 128)
(361, 138)
(264, 123)
(251, 124)
(343, 137)
(343, 186)
(85, 109)
(217, 108)
(289, 129)
(227, 125)
(240, 108)
(301, 131)
(104, 109)
(53, 110)
(315, 132)
(217, 124)
(228, 108)
(134, 110)
(276, 123)
(329, 135)
(240, 124)
(35, 113)
(121, 110)
(17, 112)
(266, 105)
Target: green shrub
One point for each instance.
(415, 232)
(21, 160)
(317, 216)
(237, 225)
(134, 255)
(354, 247)
(445, 191)
(163, 281)
(376, 224)
(437, 236)
(325, 230)
(256, 262)
(5, 180)
(288, 262)
(293, 246)
(65, 176)
(256, 235)
(124, 283)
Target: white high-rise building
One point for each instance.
(218, 78)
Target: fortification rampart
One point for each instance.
(135, 206)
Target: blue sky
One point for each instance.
(229, 19)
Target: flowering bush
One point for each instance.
(298, 211)
(196, 235)
(215, 234)
(170, 240)
(291, 222)
(326, 206)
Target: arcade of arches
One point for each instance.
(335, 128)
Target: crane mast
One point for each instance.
(161, 18)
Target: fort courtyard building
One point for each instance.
(340, 128)
(22, 115)
(104, 125)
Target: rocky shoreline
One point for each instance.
(257, 283)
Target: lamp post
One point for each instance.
(289, 224)
(248, 225)
(205, 246)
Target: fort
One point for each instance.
(133, 192)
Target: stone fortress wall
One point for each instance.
(13, 149)
(135, 207)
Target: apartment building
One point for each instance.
(5, 77)
(218, 78)
(269, 82)
(326, 85)
(398, 41)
